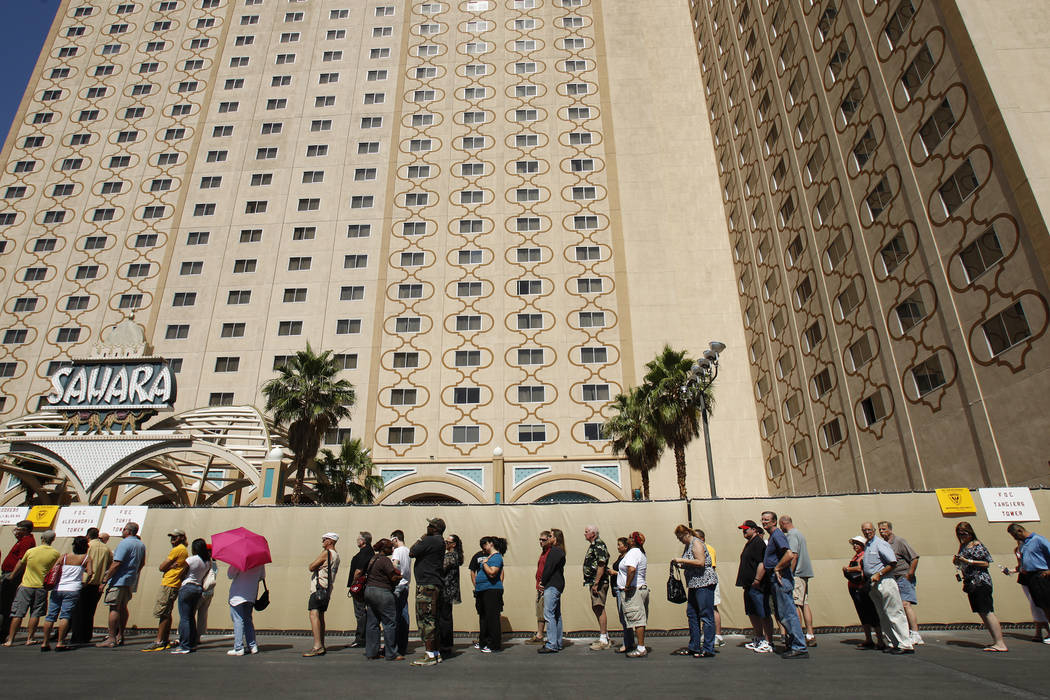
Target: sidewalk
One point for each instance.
(951, 663)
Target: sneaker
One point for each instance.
(486, 650)
(235, 652)
(601, 646)
(752, 644)
(637, 654)
(546, 650)
(811, 641)
(180, 650)
(356, 645)
(253, 649)
(763, 647)
(719, 642)
(916, 638)
(427, 661)
(795, 654)
(1046, 641)
(156, 646)
(477, 645)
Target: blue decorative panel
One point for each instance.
(606, 471)
(389, 475)
(524, 473)
(474, 475)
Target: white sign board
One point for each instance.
(12, 515)
(1007, 504)
(117, 517)
(73, 521)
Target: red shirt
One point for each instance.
(22, 546)
(539, 569)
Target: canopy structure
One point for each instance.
(207, 456)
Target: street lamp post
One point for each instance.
(703, 372)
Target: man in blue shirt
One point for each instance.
(878, 564)
(121, 580)
(776, 570)
(1034, 570)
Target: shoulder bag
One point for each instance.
(263, 601)
(208, 584)
(321, 595)
(357, 588)
(675, 588)
(54, 574)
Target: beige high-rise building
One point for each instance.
(494, 212)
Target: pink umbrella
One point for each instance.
(240, 548)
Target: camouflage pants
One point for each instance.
(428, 598)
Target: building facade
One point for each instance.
(494, 212)
(453, 197)
(889, 231)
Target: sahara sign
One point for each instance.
(112, 385)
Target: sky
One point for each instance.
(24, 25)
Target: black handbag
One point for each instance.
(675, 587)
(322, 595)
(263, 601)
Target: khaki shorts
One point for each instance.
(166, 600)
(718, 595)
(118, 595)
(801, 591)
(598, 599)
(635, 607)
(539, 607)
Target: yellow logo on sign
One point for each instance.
(42, 516)
(956, 502)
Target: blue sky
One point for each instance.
(24, 25)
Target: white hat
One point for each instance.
(858, 539)
(330, 536)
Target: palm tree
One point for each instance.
(307, 399)
(633, 435)
(675, 404)
(347, 476)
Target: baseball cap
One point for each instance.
(749, 524)
(858, 539)
(177, 532)
(330, 536)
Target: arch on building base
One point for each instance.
(548, 484)
(414, 487)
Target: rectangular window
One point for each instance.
(406, 360)
(917, 71)
(237, 297)
(532, 432)
(347, 326)
(351, 293)
(401, 436)
(873, 408)
(860, 352)
(928, 375)
(957, 189)
(220, 398)
(879, 198)
(289, 328)
(898, 22)
(296, 264)
(982, 254)
(937, 126)
(177, 332)
(467, 358)
(1006, 329)
(184, 299)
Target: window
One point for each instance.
(77, 303)
(812, 336)
(592, 319)
(981, 254)
(220, 398)
(177, 332)
(401, 436)
(822, 382)
(595, 392)
(279, 103)
(145, 240)
(191, 267)
(917, 71)
(898, 22)
(532, 432)
(958, 188)
(531, 394)
(22, 306)
(591, 355)
(1006, 329)
(95, 242)
(873, 409)
(204, 209)
(851, 103)
(347, 326)
(54, 217)
(937, 126)
(238, 297)
(289, 328)
(530, 356)
(299, 263)
(184, 299)
(848, 299)
(860, 352)
(910, 311)
(865, 148)
(831, 432)
(138, 269)
(879, 198)
(467, 358)
(67, 335)
(894, 252)
(468, 323)
(803, 291)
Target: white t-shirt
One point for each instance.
(404, 563)
(636, 558)
(244, 585)
(196, 570)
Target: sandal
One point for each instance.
(108, 644)
(315, 652)
(684, 651)
(866, 645)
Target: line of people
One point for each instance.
(774, 574)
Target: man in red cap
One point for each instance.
(756, 599)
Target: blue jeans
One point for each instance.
(380, 608)
(61, 605)
(243, 627)
(786, 613)
(189, 596)
(401, 618)
(552, 616)
(628, 632)
(700, 609)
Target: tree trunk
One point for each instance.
(645, 484)
(679, 463)
(300, 475)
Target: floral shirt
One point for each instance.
(597, 556)
(450, 575)
(974, 576)
(699, 576)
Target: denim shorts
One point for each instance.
(907, 589)
(61, 605)
(756, 602)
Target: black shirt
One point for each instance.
(429, 554)
(359, 562)
(750, 558)
(554, 569)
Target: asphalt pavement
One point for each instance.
(950, 665)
